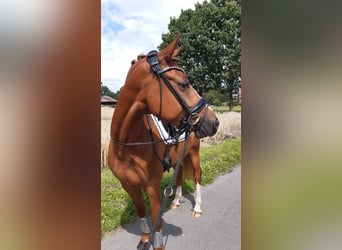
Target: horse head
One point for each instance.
(165, 90)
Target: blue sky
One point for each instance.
(131, 27)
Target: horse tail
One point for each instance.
(187, 169)
(191, 168)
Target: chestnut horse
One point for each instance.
(137, 155)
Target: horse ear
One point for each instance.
(170, 50)
(176, 53)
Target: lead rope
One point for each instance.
(167, 192)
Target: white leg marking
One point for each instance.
(178, 195)
(198, 199)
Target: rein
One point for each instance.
(190, 120)
(168, 191)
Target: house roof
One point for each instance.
(105, 98)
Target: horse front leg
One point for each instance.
(145, 236)
(136, 195)
(154, 198)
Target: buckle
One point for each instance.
(170, 189)
(193, 119)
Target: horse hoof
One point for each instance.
(142, 245)
(173, 206)
(196, 214)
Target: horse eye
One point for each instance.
(183, 85)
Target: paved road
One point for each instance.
(219, 227)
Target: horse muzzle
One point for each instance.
(205, 125)
(208, 126)
(202, 124)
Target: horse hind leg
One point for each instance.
(176, 201)
(197, 175)
(192, 170)
(198, 201)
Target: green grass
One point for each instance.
(219, 158)
(237, 108)
(220, 109)
(225, 108)
(116, 206)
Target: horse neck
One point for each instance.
(126, 123)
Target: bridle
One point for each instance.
(191, 120)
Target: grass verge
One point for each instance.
(117, 207)
(237, 108)
(225, 108)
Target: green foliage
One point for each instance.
(214, 97)
(106, 91)
(117, 93)
(117, 207)
(217, 102)
(211, 38)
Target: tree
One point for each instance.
(214, 97)
(106, 91)
(117, 93)
(211, 40)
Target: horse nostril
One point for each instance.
(217, 122)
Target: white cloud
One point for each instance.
(131, 27)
